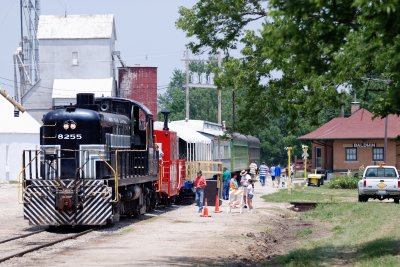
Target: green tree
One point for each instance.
(174, 97)
(318, 46)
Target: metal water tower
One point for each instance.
(26, 57)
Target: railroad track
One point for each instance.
(20, 236)
(23, 244)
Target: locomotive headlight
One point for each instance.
(72, 125)
(66, 125)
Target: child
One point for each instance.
(233, 192)
(250, 194)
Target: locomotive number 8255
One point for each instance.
(69, 136)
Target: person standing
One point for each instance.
(233, 192)
(253, 170)
(291, 173)
(272, 172)
(264, 170)
(244, 181)
(250, 194)
(226, 179)
(278, 171)
(200, 183)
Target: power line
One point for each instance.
(159, 87)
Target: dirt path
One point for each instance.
(176, 237)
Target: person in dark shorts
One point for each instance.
(272, 173)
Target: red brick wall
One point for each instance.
(364, 154)
(139, 84)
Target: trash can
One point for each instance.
(211, 192)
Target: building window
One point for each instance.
(75, 59)
(377, 154)
(351, 154)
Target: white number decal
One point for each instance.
(69, 136)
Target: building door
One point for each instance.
(318, 157)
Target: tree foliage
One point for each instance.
(293, 69)
(316, 45)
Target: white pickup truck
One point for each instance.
(379, 182)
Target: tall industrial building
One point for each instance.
(76, 55)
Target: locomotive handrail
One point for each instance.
(160, 175)
(21, 201)
(21, 182)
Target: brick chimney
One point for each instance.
(355, 106)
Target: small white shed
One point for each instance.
(16, 134)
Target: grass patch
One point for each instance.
(13, 182)
(362, 234)
(304, 232)
(181, 221)
(126, 230)
(312, 194)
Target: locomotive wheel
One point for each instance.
(136, 213)
(154, 201)
(148, 203)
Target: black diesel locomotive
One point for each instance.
(96, 162)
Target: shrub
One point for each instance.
(343, 182)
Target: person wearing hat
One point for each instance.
(200, 183)
(244, 181)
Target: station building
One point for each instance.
(344, 144)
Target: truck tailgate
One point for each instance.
(381, 183)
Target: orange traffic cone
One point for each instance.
(217, 205)
(205, 210)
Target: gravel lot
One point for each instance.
(176, 236)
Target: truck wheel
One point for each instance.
(362, 199)
(319, 182)
(397, 200)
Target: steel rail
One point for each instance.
(19, 254)
(20, 236)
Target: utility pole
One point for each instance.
(208, 85)
(219, 94)
(187, 83)
(385, 139)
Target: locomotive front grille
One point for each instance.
(45, 204)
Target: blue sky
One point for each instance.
(146, 33)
